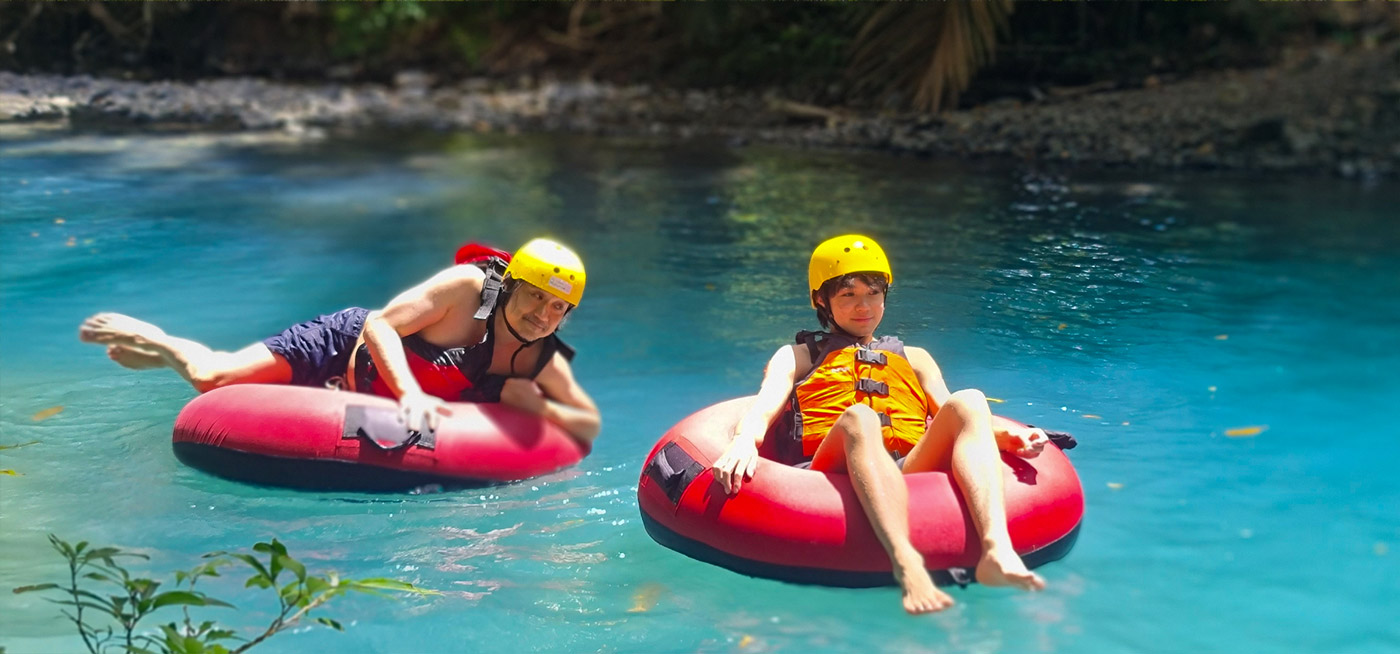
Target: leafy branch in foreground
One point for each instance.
(126, 600)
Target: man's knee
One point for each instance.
(218, 370)
(207, 380)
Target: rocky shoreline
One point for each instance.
(1335, 114)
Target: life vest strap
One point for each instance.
(491, 287)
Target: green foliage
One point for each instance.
(365, 28)
(99, 585)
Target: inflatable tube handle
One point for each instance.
(673, 469)
(1062, 439)
(381, 426)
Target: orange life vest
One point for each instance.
(845, 373)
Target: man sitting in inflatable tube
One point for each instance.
(858, 399)
(477, 333)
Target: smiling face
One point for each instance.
(857, 306)
(535, 313)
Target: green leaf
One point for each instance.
(330, 623)
(185, 598)
(316, 585)
(99, 551)
(293, 593)
(254, 563)
(289, 563)
(146, 588)
(62, 546)
(380, 583)
(36, 587)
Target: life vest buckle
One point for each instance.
(872, 387)
(872, 357)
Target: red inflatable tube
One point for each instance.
(332, 440)
(805, 526)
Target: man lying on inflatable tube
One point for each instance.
(857, 399)
(480, 331)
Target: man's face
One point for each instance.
(535, 313)
(858, 308)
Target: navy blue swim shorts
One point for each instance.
(319, 350)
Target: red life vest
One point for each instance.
(458, 374)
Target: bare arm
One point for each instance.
(778, 378)
(410, 312)
(929, 374)
(738, 461)
(557, 397)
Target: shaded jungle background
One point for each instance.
(922, 56)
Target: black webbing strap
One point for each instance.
(872, 387)
(673, 470)
(491, 288)
(381, 427)
(885, 420)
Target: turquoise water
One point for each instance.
(1149, 314)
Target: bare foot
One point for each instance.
(130, 357)
(996, 569)
(118, 329)
(920, 594)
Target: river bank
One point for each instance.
(1327, 113)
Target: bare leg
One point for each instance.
(854, 445)
(960, 439)
(136, 344)
(130, 357)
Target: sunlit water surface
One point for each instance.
(1151, 315)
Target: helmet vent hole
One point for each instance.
(848, 249)
(556, 269)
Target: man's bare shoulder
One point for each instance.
(459, 279)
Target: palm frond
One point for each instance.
(928, 51)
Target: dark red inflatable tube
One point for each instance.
(808, 527)
(313, 438)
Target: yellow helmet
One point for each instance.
(550, 266)
(846, 254)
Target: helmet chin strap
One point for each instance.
(524, 342)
